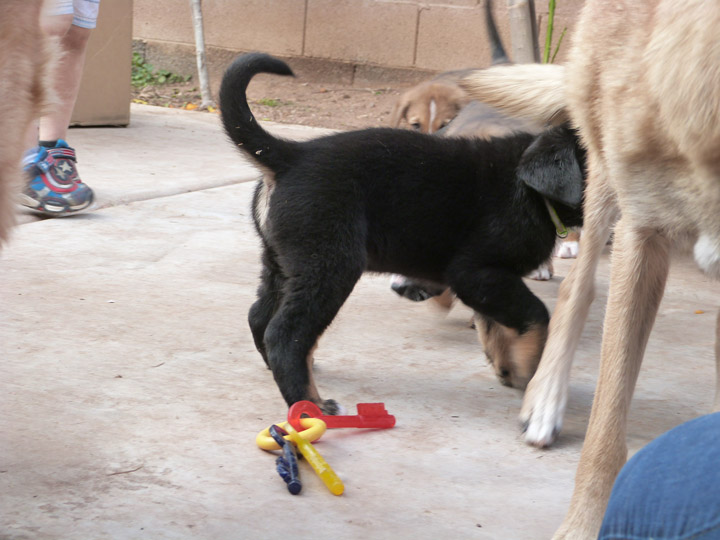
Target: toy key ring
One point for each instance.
(313, 428)
(370, 415)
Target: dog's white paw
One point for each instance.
(707, 256)
(568, 250)
(331, 407)
(542, 411)
(541, 273)
(341, 410)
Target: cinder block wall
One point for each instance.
(345, 41)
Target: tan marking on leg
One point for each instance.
(313, 393)
(262, 204)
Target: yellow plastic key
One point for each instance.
(317, 462)
(314, 430)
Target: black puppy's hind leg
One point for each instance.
(312, 298)
(511, 321)
(269, 297)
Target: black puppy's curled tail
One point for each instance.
(241, 126)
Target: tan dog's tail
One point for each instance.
(532, 91)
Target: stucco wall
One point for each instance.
(402, 35)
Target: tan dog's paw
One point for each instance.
(543, 408)
(544, 272)
(568, 249)
(707, 256)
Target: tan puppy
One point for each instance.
(643, 86)
(429, 106)
(23, 56)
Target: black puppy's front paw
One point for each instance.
(330, 407)
(413, 290)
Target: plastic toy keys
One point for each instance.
(279, 435)
(286, 464)
(370, 415)
(313, 430)
(317, 462)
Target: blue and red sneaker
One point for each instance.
(54, 187)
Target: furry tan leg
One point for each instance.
(546, 395)
(640, 263)
(23, 57)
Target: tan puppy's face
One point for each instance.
(514, 357)
(429, 106)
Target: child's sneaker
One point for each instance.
(54, 187)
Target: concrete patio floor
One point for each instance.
(131, 392)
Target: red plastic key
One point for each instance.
(370, 415)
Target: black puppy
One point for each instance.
(451, 211)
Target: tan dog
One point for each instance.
(23, 56)
(643, 86)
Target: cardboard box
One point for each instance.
(104, 97)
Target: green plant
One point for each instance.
(144, 74)
(546, 58)
(269, 102)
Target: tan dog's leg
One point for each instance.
(23, 96)
(639, 269)
(546, 395)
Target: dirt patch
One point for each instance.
(292, 101)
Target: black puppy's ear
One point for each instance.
(554, 166)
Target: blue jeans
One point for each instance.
(671, 488)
